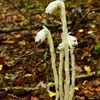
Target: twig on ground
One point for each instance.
(35, 26)
(96, 9)
(85, 75)
(20, 11)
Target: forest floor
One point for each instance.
(24, 64)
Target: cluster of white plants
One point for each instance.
(64, 90)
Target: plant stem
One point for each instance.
(66, 49)
(61, 57)
(73, 73)
(53, 57)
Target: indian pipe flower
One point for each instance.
(41, 36)
(72, 41)
(52, 7)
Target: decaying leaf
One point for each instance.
(27, 75)
(80, 30)
(76, 88)
(1, 66)
(87, 69)
(85, 81)
(51, 94)
(34, 98)
(11, 63)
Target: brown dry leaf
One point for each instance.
(87, 69)
(16, 19)
(1, 66)
(80, 30)
(10, 63)
(34, 98)
(78, 69)
(27, 75)
(17, 36)
(86, 53)
(22, 18)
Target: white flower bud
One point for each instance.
(60, 46)
(52, 7)
(41, 36)
(72, 41)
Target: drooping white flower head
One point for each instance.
(52, 7)
(72, 41)
(41, 36)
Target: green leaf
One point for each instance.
(22, 42)
(98, 73)
(26, 21)
(29, 6)
(97, 48)
(69, 22)
(7, 76)
(40, 8)
(1, 81)
(5, 88)
(90, 0)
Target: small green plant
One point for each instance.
(97, 48)
(26, 21)
(29, 6)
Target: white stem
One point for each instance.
(61, 57)
(73, 73)
(66, 49)
(53, 57)
(67, 79)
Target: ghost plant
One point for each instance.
(41, 36)
(68, 42)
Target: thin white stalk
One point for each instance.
(67, 79)
(53, 57)
(73, 73)
(66, 49)
(61, 57)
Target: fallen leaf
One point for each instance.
(18, 36)
(87, 69)
(11, 63)
(27, 75)
(78, 69)
(34, 98)
(80, 30)
(85, 81)
(90, 32)
(1, 61)
(76, 88)
(1, 66)
(51, 94)
(23, 42)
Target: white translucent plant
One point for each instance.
(49, 10)
(67, 45)
(72, 41)
(41, 36)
